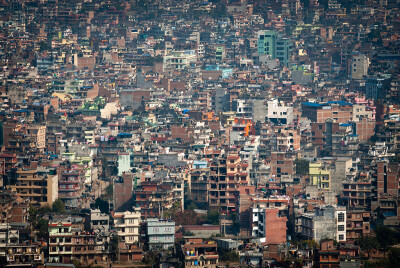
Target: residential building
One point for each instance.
(39, 185)
(70, 188)
(226, 174)
(179, 60)
(268, 225)
(339, 111)
(325, 222)
(359, 66)
(127, 225)
(278, 113)
(199, 253)
(271, 43)
(160, 234)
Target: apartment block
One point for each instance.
(160, 234)
(226, 174)
(127, 225)
(358, 224)
(339, 111)
(70, 188)
(40, 186)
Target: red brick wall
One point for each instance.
(275, 227)
(365, 129)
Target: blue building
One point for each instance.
(160, 233)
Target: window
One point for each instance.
(341, 228)
(341, 237)
(341, 217)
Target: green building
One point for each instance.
(273, 44)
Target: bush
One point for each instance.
(229, 256)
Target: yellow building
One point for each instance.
(320, 176)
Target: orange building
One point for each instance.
(243, 125)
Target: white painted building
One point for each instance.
(279, 113)
(127, 225)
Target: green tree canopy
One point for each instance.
(213, 217)
(368, 244)
(58, 206)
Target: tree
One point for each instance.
(42, 228)
(213, 217)
(58, 206)
(302, 166)
(102, 205)
(394, 257)
(230, 256)
(385, 237)
(368, 244)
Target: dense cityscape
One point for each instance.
(199, 133)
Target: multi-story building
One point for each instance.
(273, 44)
(376, 87)
(325, 222)
(60, 241)
(68, 241)
(160, 234)
(267, 224)
(179, 60)
(200, 186)
(40, 185)
(219, 53)
(278, 140)
(328, 254)
(97, 221)
(357, 193)
(320, 175)
(226, 174)
(357, 224)
(198, 253)
(38, 135)
(359, 66)
(153, 197)
(279, 113)
(127, 225)
(385, 199)
(283, 167)
(339, 111)
(16, 253)
(70, 188)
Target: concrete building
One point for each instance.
(38, 135)
(124, 162)
(40, 186)
(320, 175)
(127, 225)
(359, 66)
(283, 167)
(340, 111)
(271, 43)
(97, 221)
(134, 97)
(160, 234)
(268, 225)
(226, 174)
(179, 60)
(358, 224)
(375, 87)
(326, 222)
(219, 53)
(278, 113)
(60, 241)
(199, 253)
(70, 188)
